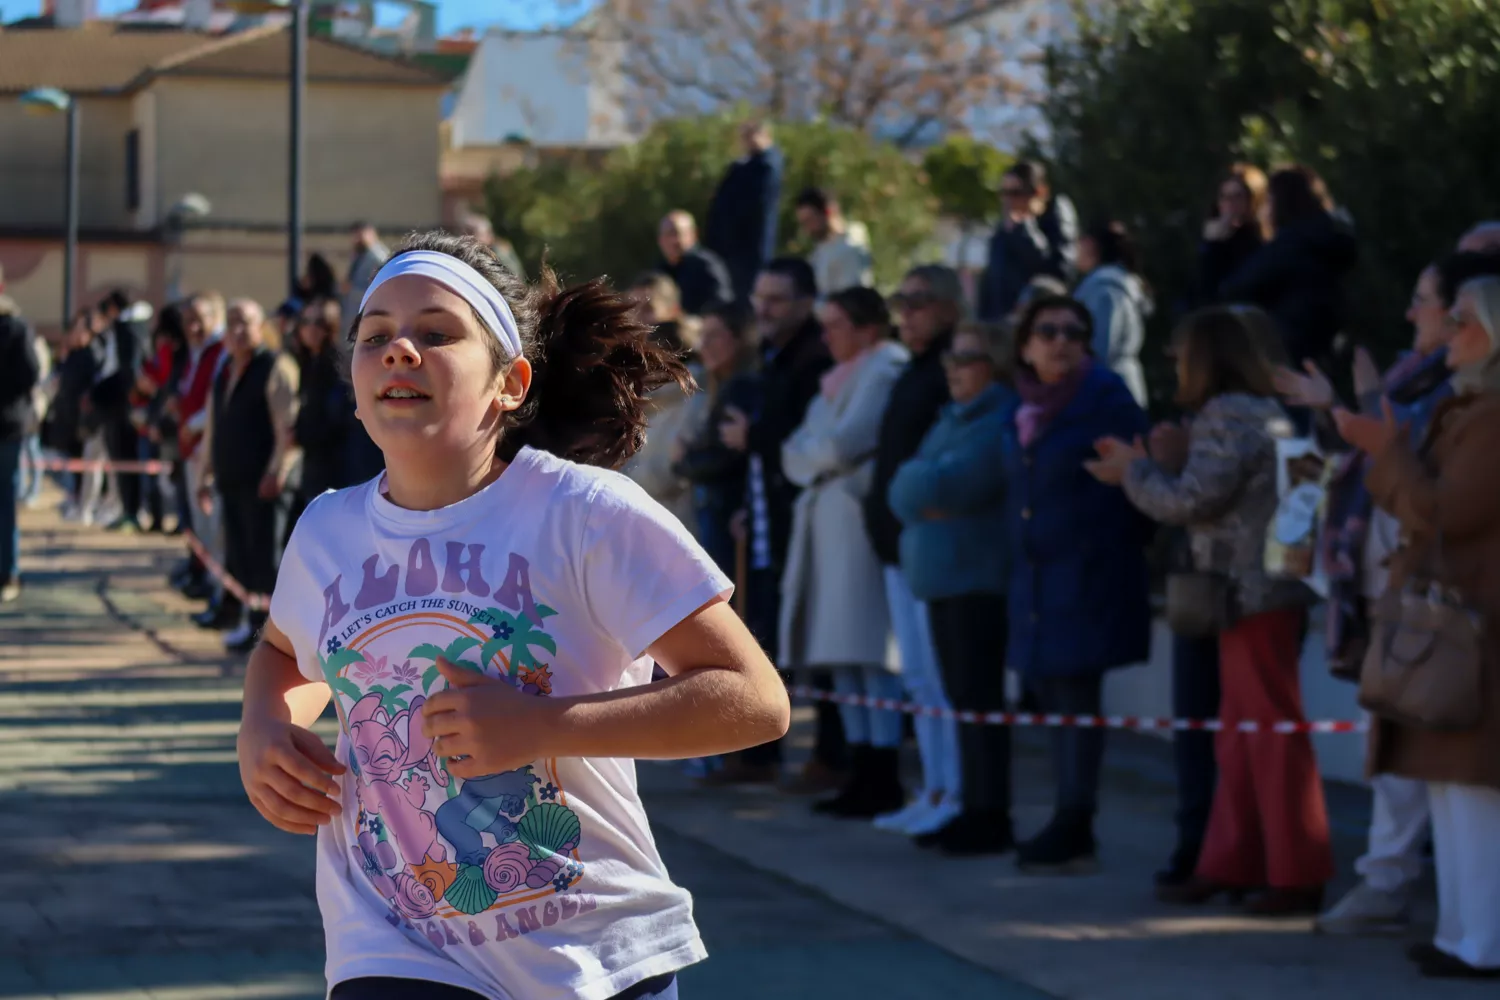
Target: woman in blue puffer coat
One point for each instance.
(950, 499)
(1079, 588)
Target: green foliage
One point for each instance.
(1393, 101)
(964, 175)
(601, 219)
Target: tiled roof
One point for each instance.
(102, 57)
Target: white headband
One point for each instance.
(461, 279)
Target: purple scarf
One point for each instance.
(1041, 402)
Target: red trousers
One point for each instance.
(1269, 825)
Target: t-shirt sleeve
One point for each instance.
(296, 602)
(642, 573)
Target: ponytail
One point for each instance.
(594, 363)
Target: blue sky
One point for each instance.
(452, 14)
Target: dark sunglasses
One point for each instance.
(1052, 331)
(962, 359)
(915, 300)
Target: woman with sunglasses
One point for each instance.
(1078, 582)
(950, 499)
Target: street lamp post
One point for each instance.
(46, 101)
(298, 145)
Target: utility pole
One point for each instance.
(296, 154)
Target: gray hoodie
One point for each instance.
(1119, 303)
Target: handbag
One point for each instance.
(1424, 667)
(1200, 603)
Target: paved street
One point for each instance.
(136, 869)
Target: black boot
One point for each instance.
(884, 793)
(978, 831)
(851, 800)
(1180, 866)
(1064, 847)
(221, 617)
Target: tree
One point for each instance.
(964, 176)
(602, 219)
(901, 68)
(1392, 101)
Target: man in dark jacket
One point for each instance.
(742, 218)
(18, 376)
(252, 414)
(1037, 234)
(122, 355)
(702, 280)
(793, 360)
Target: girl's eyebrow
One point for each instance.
(368, 313)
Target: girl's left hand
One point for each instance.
(1115, 458)
(1371, 435)
(483, 720)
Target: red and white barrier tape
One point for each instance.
(255, 602)
(150, 468)
(1131, 722)
(260, 602)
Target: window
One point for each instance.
(133, 169)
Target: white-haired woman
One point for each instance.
(1443, 493)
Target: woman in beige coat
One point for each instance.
(1449, 487)
(833, 607)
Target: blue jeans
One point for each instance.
(869, 726)
(31, 477)
(10, 492)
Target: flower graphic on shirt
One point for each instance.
(547, 792)
(406, 673)
(370, 670)
(334, 645)
(516, 633)
(504, 630)
(375, 826)
(373, 858)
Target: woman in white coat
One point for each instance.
(833, 607)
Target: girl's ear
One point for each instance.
(514, 385)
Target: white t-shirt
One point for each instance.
(536, 883)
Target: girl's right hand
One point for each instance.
(288, 773)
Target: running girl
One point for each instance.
(484, 617)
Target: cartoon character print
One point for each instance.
(494, 840)
(383, 747)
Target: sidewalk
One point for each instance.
(138, 870)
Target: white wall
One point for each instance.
(550, 89)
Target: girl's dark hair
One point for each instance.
(169, 325)
(593, 363)
(1040, 305)
(1455, 269)
(1116, 245)
(327, 313)
(320, 282)
(1030, 173)
(863, 306)
(1297, 193)
(1223, 349)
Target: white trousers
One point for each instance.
(937, 739)
(1398, 826)
(1465, 835)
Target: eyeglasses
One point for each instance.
(1052, 331)
(962, 359)
(912, 301)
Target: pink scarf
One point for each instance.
(1042, 402)
(835, 378)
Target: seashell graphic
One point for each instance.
(435, 875)
(549, 828)
(543, 872)
(413, 898)
(468, 893)
(506, 866)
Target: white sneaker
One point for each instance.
(238, 635)
(935, 818)
(896, 822)
(1366, 910)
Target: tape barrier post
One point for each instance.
(255, 602)
(1029, 719)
